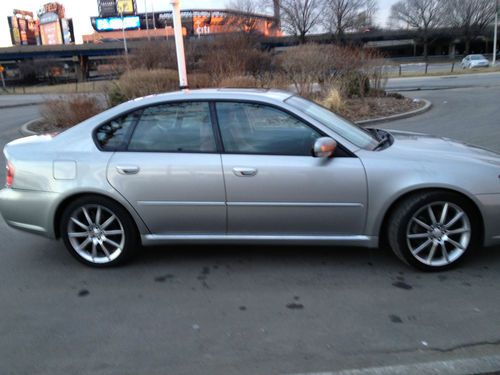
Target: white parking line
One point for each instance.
(482, 365)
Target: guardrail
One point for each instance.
(425, 68)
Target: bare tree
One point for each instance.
(246, 6)
(366, 18)
(299, 17)
(471, 17)
(344, 15)
(422, 15)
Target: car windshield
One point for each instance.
(353, 133)
(477, 57)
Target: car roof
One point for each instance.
(219, 93)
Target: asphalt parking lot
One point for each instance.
(254, 310)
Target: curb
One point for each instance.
(25, 128)
(19, 105)
(400, 116)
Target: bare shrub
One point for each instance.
(333, 101)
(153, 55)
(67, 111)
(304, 67)
(136, 83)
(315, 69)
(239, 81)
(199, 80)
(231, 55)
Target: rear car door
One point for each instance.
(170, 169)
(276, 187)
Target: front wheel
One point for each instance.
(433, 231)
(98, 232)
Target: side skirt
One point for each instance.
(361, 241)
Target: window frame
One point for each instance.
(341, 150)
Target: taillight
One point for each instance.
(10, 174)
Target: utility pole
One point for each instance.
(495, 35)
(120, 8)
(125, 48)
(179, 45)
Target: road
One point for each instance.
(251, 310)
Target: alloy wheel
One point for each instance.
(438, 234)
(96, 234)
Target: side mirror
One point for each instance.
(324, 147)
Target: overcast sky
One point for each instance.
(81, 11)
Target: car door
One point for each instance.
(274, 186)
(171, 172)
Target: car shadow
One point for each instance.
(350, 257)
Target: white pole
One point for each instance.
(495, 35)
(179, 45)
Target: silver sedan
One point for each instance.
(249, 166)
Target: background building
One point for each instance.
(196, 22)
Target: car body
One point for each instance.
(247, 166)
(475, 61)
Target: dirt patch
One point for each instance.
(358, 109)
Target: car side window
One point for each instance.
(260, 129)
(113, 135)
(176, 127)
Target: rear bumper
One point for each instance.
(490, 208)
(30, 211)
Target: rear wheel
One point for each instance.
(433, 231)
(98, 232)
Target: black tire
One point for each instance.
(107, 254)
(402, 226)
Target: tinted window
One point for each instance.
(260, 129)
(113, 135)
(178, 127)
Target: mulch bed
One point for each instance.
(355, 109)
(358, 109)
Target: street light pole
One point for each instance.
(179, 45)
(124, 40)
(495, 35)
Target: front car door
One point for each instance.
(170, 170)
(275, 187)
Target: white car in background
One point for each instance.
(475, 61)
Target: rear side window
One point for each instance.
(176, 127)
(113, 135)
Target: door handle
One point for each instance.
(128, 169)
(245, 172)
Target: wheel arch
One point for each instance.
(140, 226)
(382, 230)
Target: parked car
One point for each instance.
(475, 61)
(249, 166)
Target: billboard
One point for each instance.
(107, 8)
(125, 6)
(51, 33)
(23, 28)
(67, 30)
(116, 23)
